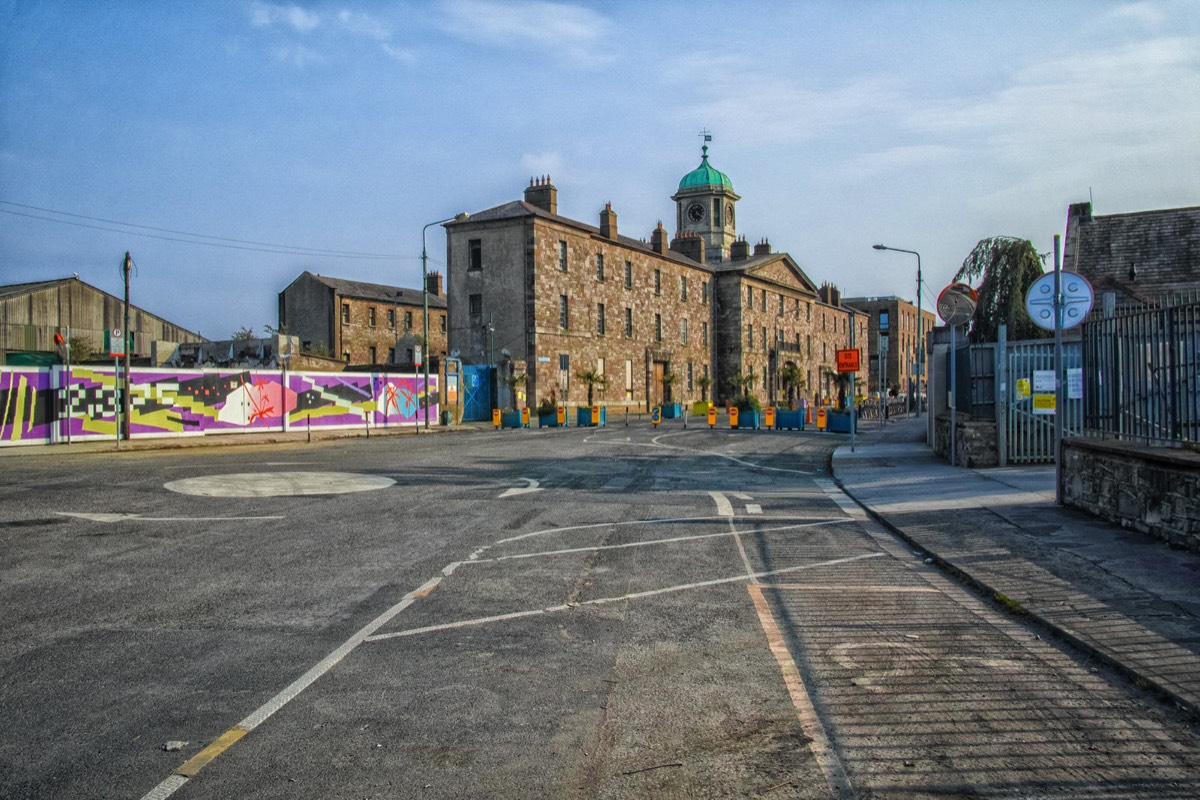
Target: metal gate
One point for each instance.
(477, 393)
(1026, 410)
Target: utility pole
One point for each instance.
(125, 404)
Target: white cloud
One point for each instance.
(1148, 15)
(268, 15)
(361, 24)
(292, 20)
(573, 31)
(760, 105)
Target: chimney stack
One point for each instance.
(608, 222)
(690, 245)
(434, 285)
(541, 193)
(740, 250)
(658, 240)
(763, 248)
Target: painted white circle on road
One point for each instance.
(278, 484)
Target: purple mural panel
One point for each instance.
(50, 404)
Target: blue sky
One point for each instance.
(345, 127)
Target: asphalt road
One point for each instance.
(614, 613)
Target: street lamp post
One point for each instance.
(920, 322)
(425, 296)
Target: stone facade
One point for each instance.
(899, 319)
(1151, 489)
(563, 296)
(363, 324)
(974, 440)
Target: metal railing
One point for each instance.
(1142, 375)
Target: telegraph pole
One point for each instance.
(125, 404)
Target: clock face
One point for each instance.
(695, 212)
(729, 215)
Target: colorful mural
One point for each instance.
(46, 405)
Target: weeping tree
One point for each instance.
(1002, 269)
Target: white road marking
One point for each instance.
(466, 623)
(753, 508)
(818, 741)
(726, 456)
(590, 526)
(647, 543)
(263, 712)
(101, 517)
(531, 487)
(741, 496)
(724, 507)
(278, 484)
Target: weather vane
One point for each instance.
(706, 134)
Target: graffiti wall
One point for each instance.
(46, 405)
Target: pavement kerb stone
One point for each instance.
(997, 597)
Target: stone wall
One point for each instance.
(1155, 490)
(975, 440)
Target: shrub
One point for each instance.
(546, 407)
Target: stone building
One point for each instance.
(559, 297)
(363, 324)
(31, 313)
(1139, 257)
(893, 319)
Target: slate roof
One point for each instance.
(1162, 248)
(517, 209)
(378, 291)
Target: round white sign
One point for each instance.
(1077, 297)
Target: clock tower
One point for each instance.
(704, 207)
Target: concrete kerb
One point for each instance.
(1002, 602)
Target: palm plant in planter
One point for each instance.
(670, 409)
(747, 404)
(547, 411)
(591, 379)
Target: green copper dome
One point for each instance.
(705, 175)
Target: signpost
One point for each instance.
(955, 305)
(1056, 302)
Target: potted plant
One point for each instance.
(592, 379)
(701, 406)
(547, 413)
(749, 412)
(670, 409)
(791, 418)
(747, 404)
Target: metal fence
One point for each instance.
(1142, 375)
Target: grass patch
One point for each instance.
(1011, 605)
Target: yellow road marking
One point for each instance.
(223, 743)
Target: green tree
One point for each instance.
(1002, 269)
(244, 333)
(81, 348)
(704, 381)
